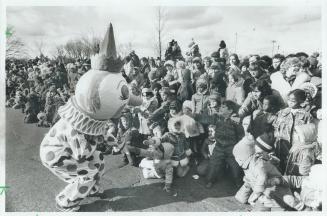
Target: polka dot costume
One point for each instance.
(72, 156)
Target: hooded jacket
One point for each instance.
(302, 155)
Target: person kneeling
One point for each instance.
(157, 162)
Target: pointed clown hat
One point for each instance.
(101, 93)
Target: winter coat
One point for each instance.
(162, 166)
(180, 143)
(207, 147)
(185, 90)
(235, 92)
(228, 132)
(259, 170)
(261, 120)
(303, 155)
(286, 121)
(146, 108)
(251, 103)
(284, 126)
(200, 102)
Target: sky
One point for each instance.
(295, 28)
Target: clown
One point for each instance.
(68, 150)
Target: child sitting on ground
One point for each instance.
(194, 131)
(182, 150)
(157, 162)
(111, 145)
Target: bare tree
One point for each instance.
(40, 46)
(15, 47)
(124, 49)
(160, 27)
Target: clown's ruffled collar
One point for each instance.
(80, 120)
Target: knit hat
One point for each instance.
(307, 132)
(310, 88)
(242, 153)
(197, 60)
(95, 102)
(169, 62)
(265, 142)
(188, 104)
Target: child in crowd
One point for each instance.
(182, 150)
(128, 135)
(156, 92)
(262, 180)
(149, 105)
(311, 188)
(194, 131)
(302, 154)
(111, 144)
(264, 118)
(235, 91)
(158, 119)
(228, 133)
(286, 120)
(19, 101)
(213, 105)
(42, 117)
(157, 162)
(207, 150)
(200, 98)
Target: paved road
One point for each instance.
(33, 187)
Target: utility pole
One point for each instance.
(273, 47)
(235, 42)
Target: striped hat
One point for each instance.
(266, 142)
